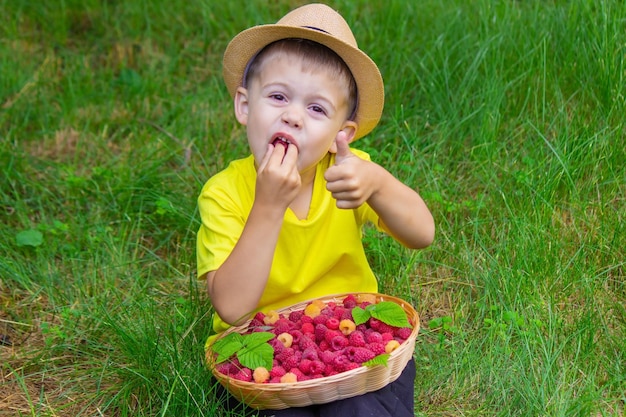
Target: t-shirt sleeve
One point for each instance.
(221, 226)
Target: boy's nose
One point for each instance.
(292, 117)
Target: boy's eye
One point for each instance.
(318, 109)
(278, 97)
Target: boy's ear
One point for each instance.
(350, 129)
(241, 105)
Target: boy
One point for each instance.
(284, 224)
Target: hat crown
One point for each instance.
(322, 18)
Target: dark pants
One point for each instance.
(394, 400)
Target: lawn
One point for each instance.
(507, 116)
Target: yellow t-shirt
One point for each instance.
(314, 257)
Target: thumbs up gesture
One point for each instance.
(350, 180)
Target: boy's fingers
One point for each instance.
(343, 147)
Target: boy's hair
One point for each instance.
(313, 55)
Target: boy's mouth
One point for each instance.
(281, 140)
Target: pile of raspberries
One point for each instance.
(318, 341)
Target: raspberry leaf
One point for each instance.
(227, 346)
(261, 354)
(359, 315)
(378, 360)
(390, 313)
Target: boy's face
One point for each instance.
(306, 107)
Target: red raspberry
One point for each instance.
(321, 319)
(387, 336)
(310, 353)
(320, 332)
(359, 354)
(305, 342)
(305, 366)
(295, 316)
(284, 354)
(403, 332)
(377, 348)
(244, 374)
(317, 367)
(307, 328)
(296, 334)
(291, 362)
(277, 372)
(327, 356)
(339, 312)
(324, 345)
(332, 323)
(373, 337)
(306, 319)
(339, 342)
(349, 301)
(357, 338)
(340, 363)
(331, 334)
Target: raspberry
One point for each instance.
(320, 332)
(321, 319)
(305, 366)
(244, 374)
(373, 337)
(225, 368)
(295, 316)
(310, 353)
(317, 367)
(350, 301)
(332, 323)
(298, 373)
(289, 377)
(291, 362)
(347, 326)
(271, 317)
(387, 337)
(330, 334)
(305, 342)
(340, 363)
(391, 346)
(380, 326)
(323, 345)
(403, 332)
(376, 348)
(284, 354)
(307, 328)
(306, 319)
(277, 372)
(314, 308)
(260, 375)
(359, 354)
(357, 339)
(327, 356)
(340, 312)
(286, 339)
(296, 334)
(282, 325)
(260, 316)
(338, 343)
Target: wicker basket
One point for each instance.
(276, 396)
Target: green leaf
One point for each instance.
(257, 338)
(258, 355)
(390, 313)
(228, 346)
(30, 237)
(378, 360)
(359, 315)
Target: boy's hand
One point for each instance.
(278, 179)
(350, 180)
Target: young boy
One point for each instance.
(284, 225)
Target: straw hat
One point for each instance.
(321, 24)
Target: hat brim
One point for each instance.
(370, 88)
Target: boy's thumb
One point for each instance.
(343, 147)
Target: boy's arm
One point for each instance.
(235, 288)
(403, 214)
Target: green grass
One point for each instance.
(508, 116)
